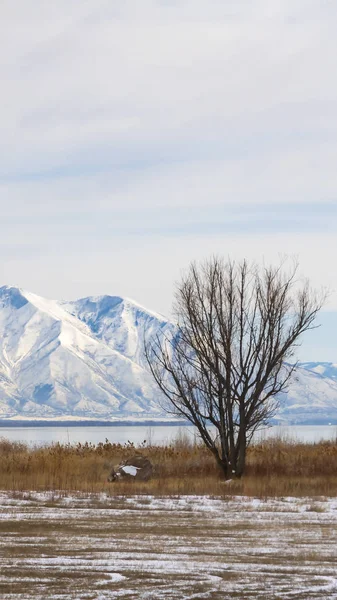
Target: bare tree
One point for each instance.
(227, 363)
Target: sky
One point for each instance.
(139, 136)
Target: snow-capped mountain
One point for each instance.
(53, 363)
(85, 359)
(311, 397)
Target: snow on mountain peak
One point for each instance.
(100, 306)
(121, 323)
(325, 369)
(12, 296)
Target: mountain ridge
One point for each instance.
(84, 359)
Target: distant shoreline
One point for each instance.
(84, 423)
(147, 423)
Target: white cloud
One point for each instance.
(148, 81)
(123, 116)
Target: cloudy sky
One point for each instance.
(137, 136)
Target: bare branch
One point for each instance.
(226, 365)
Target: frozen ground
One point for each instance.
(102, 547)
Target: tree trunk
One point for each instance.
(242, 450)
(222, 464)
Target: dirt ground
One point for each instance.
(98, 547)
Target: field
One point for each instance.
(98, 547)
(66, 533)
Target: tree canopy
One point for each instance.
(227, 362)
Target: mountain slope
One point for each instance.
(120, 323)
(311, 397)
(52, 365)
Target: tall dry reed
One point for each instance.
(275, 467)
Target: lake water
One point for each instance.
(157, 434)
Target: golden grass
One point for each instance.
(274, 468)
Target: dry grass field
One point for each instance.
(274, 468)
(99, 547)
(68, 534)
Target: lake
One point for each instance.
(156, 434)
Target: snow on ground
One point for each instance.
(101, 547)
